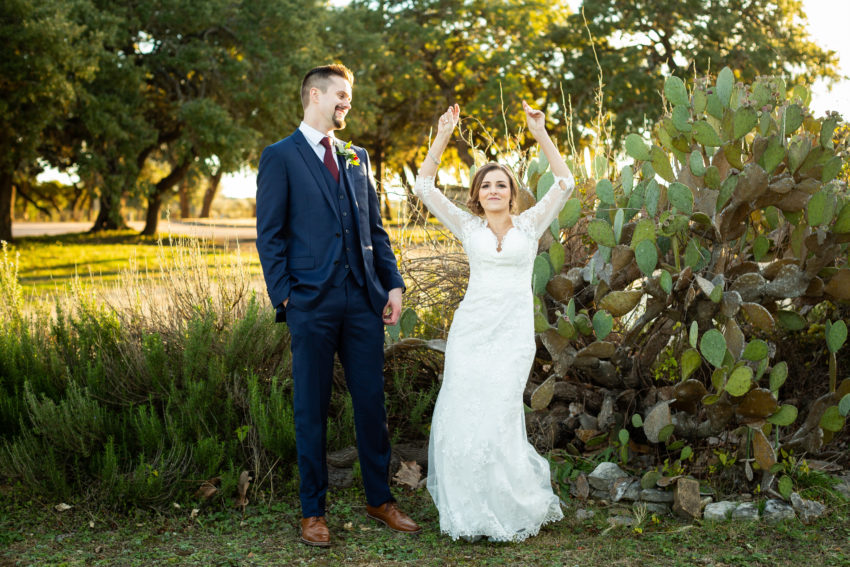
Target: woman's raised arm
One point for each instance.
(544, 212)
(439, 205)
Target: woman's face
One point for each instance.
(495, 192)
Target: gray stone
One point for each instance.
(620, 487)
(604, 475)
(339, 477)
(582, 514)
(605, 419)
(719, 511)
(686, 500)
(633, 492)
(776, 510)
(655, 495)
(843, 487)
(807, 510)
(621, 520)
(656, 508)
(600, 495)
(746, 511)
(657, 419)
(588, 422)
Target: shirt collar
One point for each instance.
(313, 135)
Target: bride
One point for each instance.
(484, 476)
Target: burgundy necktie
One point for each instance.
(330, 158)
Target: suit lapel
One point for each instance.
(318, 170)
(348, 178)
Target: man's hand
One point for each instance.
(392, 310)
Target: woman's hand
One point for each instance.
(449, 119)
(536, 121)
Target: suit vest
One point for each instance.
(350, 258)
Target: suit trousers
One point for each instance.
(345, 323)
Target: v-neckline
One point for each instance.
(499, 241)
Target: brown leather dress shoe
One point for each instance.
(314, 531)
(389, 514)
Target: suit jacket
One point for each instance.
(298, 226)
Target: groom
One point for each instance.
(332, 276)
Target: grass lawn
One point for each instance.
(49, 263)
(33, 533)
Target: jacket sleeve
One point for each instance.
(385, 260)
(272, 198)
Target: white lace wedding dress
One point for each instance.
(484, 476)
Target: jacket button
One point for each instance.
(340, 196)
(347, 231)
(345, 214)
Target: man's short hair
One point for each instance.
(318, 77)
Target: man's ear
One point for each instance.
(314, 94)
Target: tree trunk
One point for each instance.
(163, 185)
(209, 194)
(183, 191)
(152, 214)
(7, 192)
(109, 216)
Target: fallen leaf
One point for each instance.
(586, 435)
(581, 488)
(176, 505)
(348, 526)
(408, 474)
(62, 507)
(208, 488)
(91, 524)
(194, 513)
(245, 480)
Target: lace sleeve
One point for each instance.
(448, 213)
(541, 215)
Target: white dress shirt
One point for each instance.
(315, 138)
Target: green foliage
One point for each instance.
(136, 405)
(733, 228)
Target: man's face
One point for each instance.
(335, 102)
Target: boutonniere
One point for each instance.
(351, 157)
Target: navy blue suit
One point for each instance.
(322, 245)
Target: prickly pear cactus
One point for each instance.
(726, 230)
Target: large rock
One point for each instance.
(604, 475)
(747, 511)
(621, 487)
(807, 510)
(719, 511)
(655, 495)
(686, 499)
(776, 510)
